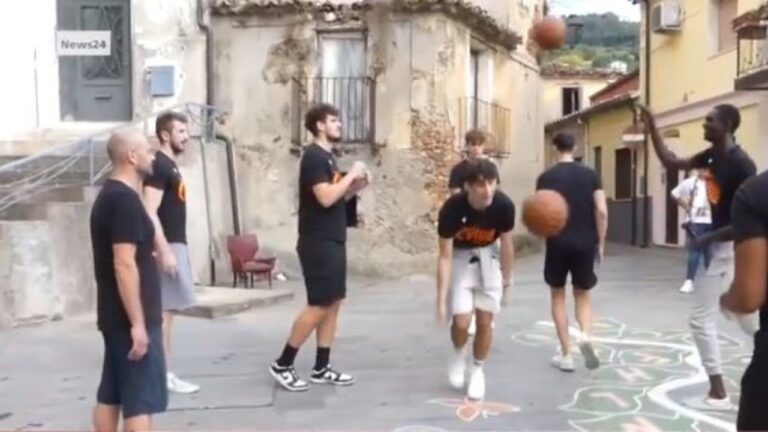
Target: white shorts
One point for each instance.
(475, 281)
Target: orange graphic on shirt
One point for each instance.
(713, 188)
(475, 235)
(181, 191)
(336, 177)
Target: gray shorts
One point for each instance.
(178, 290)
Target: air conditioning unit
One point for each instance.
(666, 17)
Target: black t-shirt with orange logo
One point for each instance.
(173, 208)
(471, 228)
(315, 221)
(723, 174)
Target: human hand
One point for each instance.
(168, 261)
(140, 343)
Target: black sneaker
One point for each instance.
(330, 376)
(287, 377)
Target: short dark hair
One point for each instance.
(318, 113)
(481, 170)
(564, 142)
(164, 122)
(730, 115)
(475, 136)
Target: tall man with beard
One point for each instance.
(323, 191)
(165, 194)
(128, 293)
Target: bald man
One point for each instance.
(129, 310)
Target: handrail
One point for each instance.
(36, 177)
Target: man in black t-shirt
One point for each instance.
(165, 194)
(748, 294)
(323, 192)
(725, 166)
(470, 271)
(475, 148)
(127, 292)
(575, 250)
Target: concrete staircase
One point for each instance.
(45, 258)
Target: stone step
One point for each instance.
(217, 302)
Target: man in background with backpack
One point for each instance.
(691, 195)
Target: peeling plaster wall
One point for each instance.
(419, 63)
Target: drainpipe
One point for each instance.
(646, 200)
(206, 30)
(232, 180)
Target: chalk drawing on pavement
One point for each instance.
(641, 369)
(468, 411)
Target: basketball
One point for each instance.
(550, 33)
(545, 213)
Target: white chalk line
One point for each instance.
(659, 394)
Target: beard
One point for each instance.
(177, 149)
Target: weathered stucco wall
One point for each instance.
(419, 63)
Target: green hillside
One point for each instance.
(599, 41)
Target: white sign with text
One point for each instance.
(83, 43)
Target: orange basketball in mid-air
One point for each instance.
(545, 213)
(550, 33)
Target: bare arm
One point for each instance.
(152, 199)
(328, 194)
(601, 216)
(507, 257)
(127, 274)
(444, 258)
(667, 157)
(747, 293)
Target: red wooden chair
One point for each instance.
(242, 253)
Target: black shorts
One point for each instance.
(138, 387)
(753, 415)
(560, 261)
(324, 264)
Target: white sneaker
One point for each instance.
(176, 385)
(687, 287)
(591, 361)
(719, 404)
(457, 369)
(564, 363)
(476, 387)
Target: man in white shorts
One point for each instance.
(469, 224)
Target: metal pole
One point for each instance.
(91, 180)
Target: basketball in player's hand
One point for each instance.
(545, 213)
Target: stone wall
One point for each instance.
(419, 63)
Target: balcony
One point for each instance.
(752, 50)
(355, 98)
(490, 118)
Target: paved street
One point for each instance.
(650, 378)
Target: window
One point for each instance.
(726, 11)
(343, 82)
(623, 174)
(571, 100)
(599, 162)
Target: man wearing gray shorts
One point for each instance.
(165, 195)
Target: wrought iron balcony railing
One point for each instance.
(490, 118)
(354, 97)
(752, 56)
